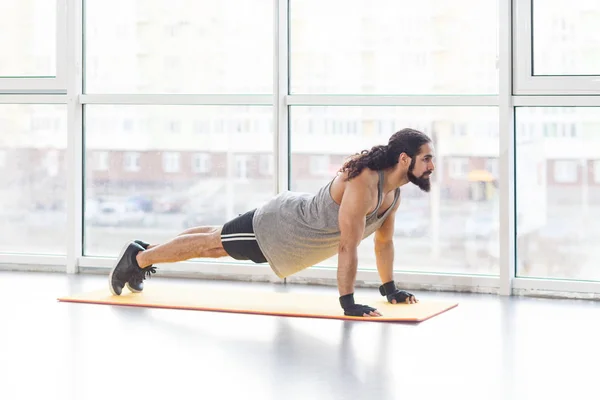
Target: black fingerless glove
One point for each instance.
(353, 309)
(389, 290)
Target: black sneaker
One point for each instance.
(125, 267)
(142, 243)
(136, 283)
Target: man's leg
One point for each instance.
(132, 264)
(199, 229)
(204, 242)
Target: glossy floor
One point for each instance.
(488, 347)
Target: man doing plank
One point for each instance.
(294, 231)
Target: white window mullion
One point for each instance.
(177, 99)
(280, 93)
(74, 136)
(67, 12)
(391, 100)
(33, 99)
(506, 160)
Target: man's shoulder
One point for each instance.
(367, 179)
(363, 187)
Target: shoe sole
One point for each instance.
(110, 286)
(131, 289)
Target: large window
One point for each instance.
(393, 47)
(455, 227)
(147, 182)
(186, 46)
(33, 142)
(557, 192)
(166, 115)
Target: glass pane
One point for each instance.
(454, 228)
(558, 192)
(33, 181)
(154, 171)
(565, 37)
(394, 47)
(28, 32)
(183, 46)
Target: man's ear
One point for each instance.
(404, 159)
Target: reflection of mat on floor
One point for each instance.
(258, 302)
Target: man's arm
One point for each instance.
(384, 255)
(384, 247)
(355, 204)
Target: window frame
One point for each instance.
(50, 85)
(524, 81)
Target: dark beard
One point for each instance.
(422, 182)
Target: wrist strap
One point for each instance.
(347, 300)
(388, 288)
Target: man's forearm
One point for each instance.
(346, 272)
(384, 255)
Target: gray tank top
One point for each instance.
(297, 230)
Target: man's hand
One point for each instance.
(396, 296)
(402, 296)
(357, 310)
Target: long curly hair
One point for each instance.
(380, 157)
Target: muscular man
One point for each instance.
(294, 231)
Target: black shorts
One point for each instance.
(239, 241)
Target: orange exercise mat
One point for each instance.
(289, 304)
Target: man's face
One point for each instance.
(421, 167)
